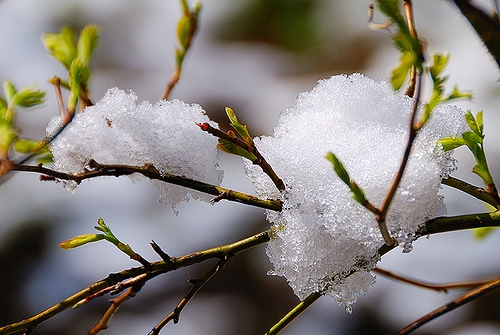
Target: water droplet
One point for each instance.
(271, 273)
(348, 309)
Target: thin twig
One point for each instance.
(408, 9)
(436, 287)
(198, 284)
(192, 16)
(113, 308)
(477, 192)
(384, 208)
(468, 297)
(261, 161)
(149, 171)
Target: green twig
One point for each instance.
(477, 192)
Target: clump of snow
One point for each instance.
(325, 241)
(117, 130)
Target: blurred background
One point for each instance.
(254, 56)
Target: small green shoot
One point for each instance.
(74, 54)
(358, 193)
(242, 130)
(474, 141)
(9, 134)
(408, 44)
(440, 61)
(106, 234)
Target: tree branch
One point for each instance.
(468, 297)
(149, 171)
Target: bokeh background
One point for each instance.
(255, 56)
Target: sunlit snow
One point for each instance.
(117, 130)
(325, 241)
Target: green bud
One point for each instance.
(241, 129)
(8, 90)
(80, 240)
(183, 31)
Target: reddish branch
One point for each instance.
(260, 161)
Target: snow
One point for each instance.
(324, 240)
(117, 130)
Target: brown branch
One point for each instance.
(149, 171)
(113, 308)
(486, 26)
(468, 297)
(436, 287)
(260, 161)
(198, 284)
(384, 208)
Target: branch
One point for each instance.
(485, 26)
(436, 287)
(437, 225)
(149, 171)
(477, 192)
(198, 283)
(260, 161)
(154, 270)
(468, 297)
(115, 304)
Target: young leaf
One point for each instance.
(451, 143)
(28, 97)
(87, 42)
(231, 148)
(25, 145)
(358, 193)
(61, 46)
(8, 90)
(241, 129)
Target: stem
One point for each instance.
(151, 172)
(384, 208)
(468, 297)
(294, 313)
(477, 192)
(198, 284)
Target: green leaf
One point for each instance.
(87, 42)
(28, 97)
(61, 46)
(439, 64)
(339, 168)
(241, 129)
(400, 73)
(231, 148)
(80, 240)
(472, 137)
(7, 136)
(8, 90)
(25, 145)
(471, 122)
(451, 143)
(481, 233)
(484, 173)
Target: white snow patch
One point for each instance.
(325, 241)
(117, 130)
